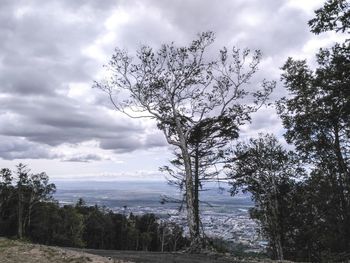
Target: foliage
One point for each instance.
(316, 118)
(317, 121)
(333, 16)
(267, 171)
(317, 114)
(20, 194)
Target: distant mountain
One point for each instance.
(100, 191)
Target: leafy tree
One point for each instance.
(94, 230)
(316, 118)
(45, 224)
(171, 237)
(266, 170)
(317, 115)
(5, 187)
(6, 202)
(119, 225)
(69, 231)
(30, 190)
(21, 187)
(148, 234)
(39, 190)
(182, 89)
(333, 16)
(317, 221)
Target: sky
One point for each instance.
(52, 51)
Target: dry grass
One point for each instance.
(18, 252)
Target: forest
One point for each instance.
(28, 211)
(300, 187)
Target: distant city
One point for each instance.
(223, 216)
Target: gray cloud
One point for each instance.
(135, 142)
(42, 47)
(56, 120)
(19, 148)
(277, 28)
(83, 158)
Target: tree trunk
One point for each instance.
(27, 218)
(20, 216)
(190, 198)
(277, 230)
(344, 182)
(188, 184)
(175, 244)
(196, 192)
(137, 242)
(163, 239)
(279, 249)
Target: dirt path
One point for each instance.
(158, 257)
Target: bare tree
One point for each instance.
(182, 88)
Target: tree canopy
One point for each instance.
(333, 16)
(268, 172)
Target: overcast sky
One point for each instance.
(51, 51)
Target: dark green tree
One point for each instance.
(70, 229)
(333, 16)
(21, 189)
(263, 168)
(30, 190)
(7, 199)
(45, 224)
(317, 221)
(316, 116)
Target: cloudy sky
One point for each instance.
(52, 51)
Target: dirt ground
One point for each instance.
(158, 257)
(21, 252)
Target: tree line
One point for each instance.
(28, 210)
